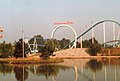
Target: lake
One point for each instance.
(70, 70)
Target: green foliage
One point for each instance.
(49, 48)
(88, 43)
(78, 45)
(52, 45)
(6, 50)
(19, 49)
(94, 49)
(64, 42)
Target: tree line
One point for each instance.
(47, 47)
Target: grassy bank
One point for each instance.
(29, 60)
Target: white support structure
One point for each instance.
(92, 35)
(34, 48)
(63, 25)
(113, 31)
(104, 33)
(118, 36)
(35, 45)
(81, 42)
(27, 42)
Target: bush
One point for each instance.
(19, 49)
(94, 49)
(48, 49)
(6, 50)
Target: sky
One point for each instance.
(38, 17)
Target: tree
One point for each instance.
(88, 43)
(19, 49)
(94, 49)
(6, 50)
(64, 42)
(49, 48)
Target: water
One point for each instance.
(70, 70)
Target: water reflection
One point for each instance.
(21, 73)
(93, 70)
(5, 69)
(94, 65)
(47, 70)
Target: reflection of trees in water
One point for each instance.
(5, 69)
(111, 61)
(48, 70)
(21, 73)
(95, 65)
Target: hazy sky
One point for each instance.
(38, 16)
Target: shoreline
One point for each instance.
(87, 57)
(29, 60)
(52, 59)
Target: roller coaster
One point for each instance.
(95, 25)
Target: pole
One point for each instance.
(92, 34)
(81, 42)
(114, 33)
(23, 41)
(118, 35)
(104, 32)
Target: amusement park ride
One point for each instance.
(34, 47)
(67, 25)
